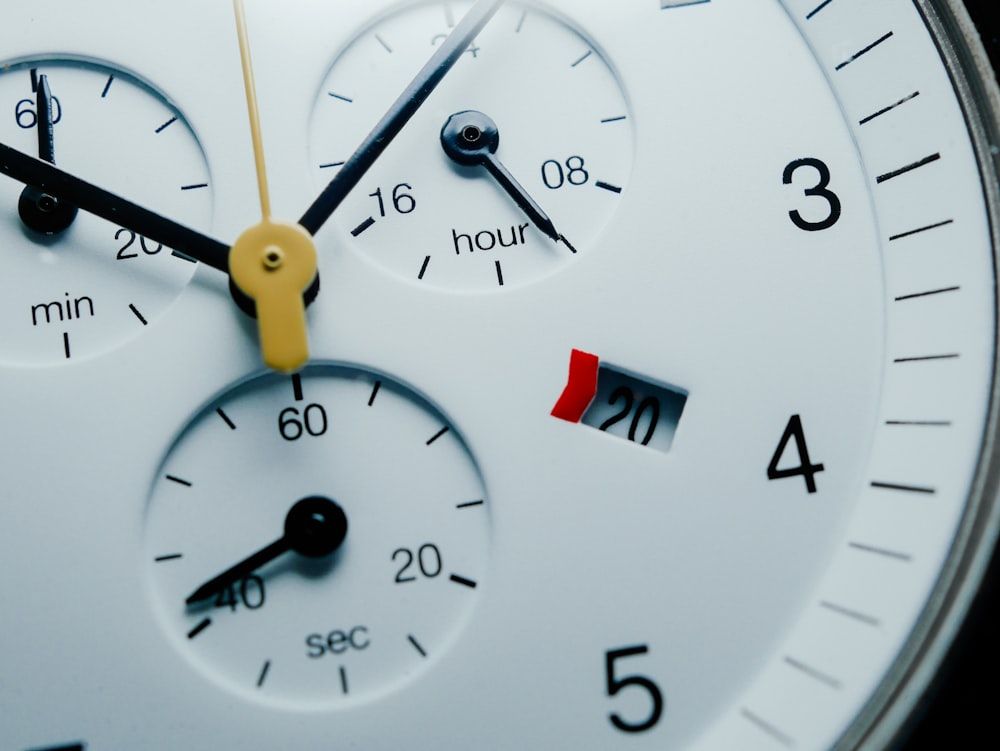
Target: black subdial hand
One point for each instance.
(39, 210)
(404, 108)
(471, 139)
(46, 121)
(315, 527)
(55, 183)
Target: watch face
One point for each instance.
(517, 375)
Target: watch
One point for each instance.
(497, 374)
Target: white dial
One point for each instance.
(398, 553)
(75, 285)
(723, 478)
(565, 135)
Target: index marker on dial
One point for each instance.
(272, 263)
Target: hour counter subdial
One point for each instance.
(77, 285)
(514, 166)
(318, 539)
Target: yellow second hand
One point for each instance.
(272, 262)
(253, 108)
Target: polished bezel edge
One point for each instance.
(897, 704)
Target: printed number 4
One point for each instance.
(806, 469)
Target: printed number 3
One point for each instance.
(821, 190)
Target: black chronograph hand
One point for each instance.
(404, 108)
(471, 139)
(46, 121)
(39, 210)
(53, 182)
(314, 527)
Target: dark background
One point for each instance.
(964, 710)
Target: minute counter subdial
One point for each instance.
(78, 285)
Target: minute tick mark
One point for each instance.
(931, 293)
(925, 358)
(225, 418)
(865, 51)
(437, 435)
(199, 628)
(138, 315)
(520, 22)
(667, 4)
(263, 673)
(366, 225)
(166, 125)
(891, 107)
(761, 724)
(818, 8)
(851, 613)
(908, 168)
(920, 423)
(813, 672)
(416, 645)
(884, 552)
(919, 230)
(903, 488)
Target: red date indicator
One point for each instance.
(623, 404)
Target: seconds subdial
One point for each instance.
(288, 576)
(555, 159)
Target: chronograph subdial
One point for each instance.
(85, 285)
(563, 160)
(286, 575)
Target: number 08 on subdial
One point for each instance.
(550, 113)
(316, 540)
(76, 285)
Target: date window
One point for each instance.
(625, 405)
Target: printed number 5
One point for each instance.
(616, 684)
